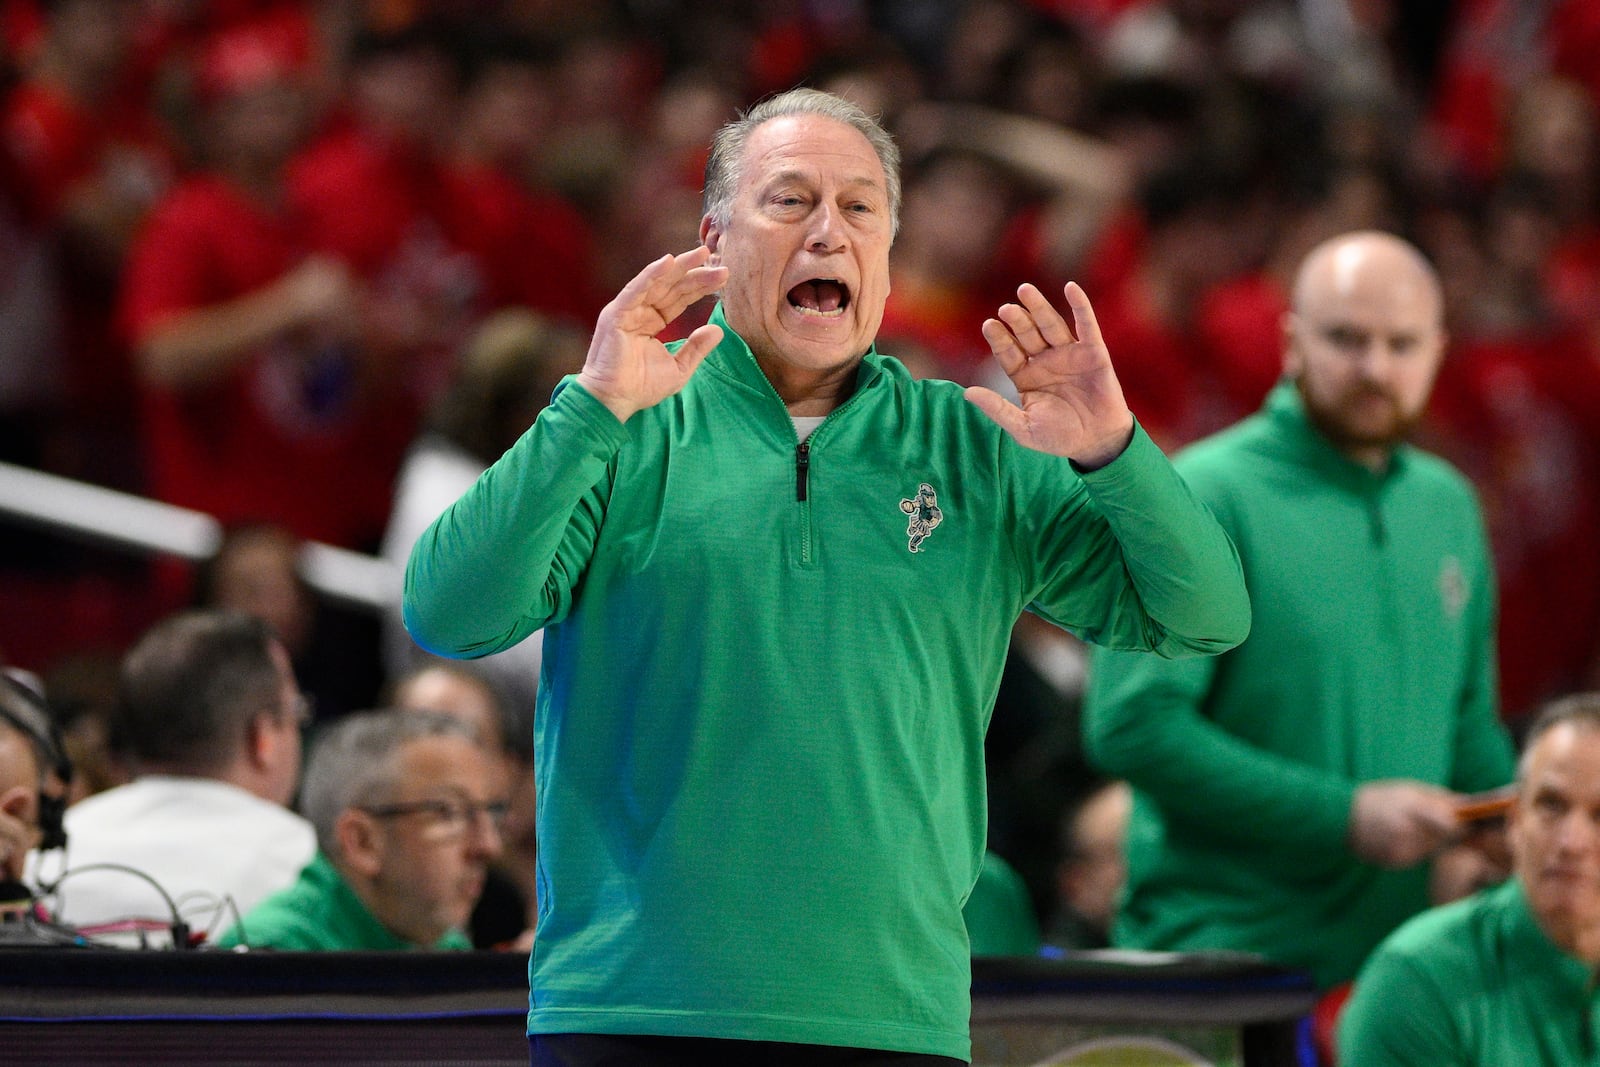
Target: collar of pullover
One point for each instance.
(1547, 964)
(733, 360)
(1285, 407)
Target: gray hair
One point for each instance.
(356, 762)
(727, 147)
(1581, 710)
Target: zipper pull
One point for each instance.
(802, 465)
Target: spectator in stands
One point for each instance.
(1289, 794)
(1506, 976)
(1520, 414)
(378, 192)
(256, 570)
(83, 696)
(407, 807)
(257, 405)
(1195, 214)
(1093, 868)
(508, 909)
(87, 159)
(540, 250)
(211, 720)
(460, 690)
(508, 372)
(655, 201)
(957, 204)
(994, 198)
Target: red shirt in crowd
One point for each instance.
(1521, 416)
(292, 434)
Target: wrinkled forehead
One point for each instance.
(810, 147)
(449, 762)
(1565, 757)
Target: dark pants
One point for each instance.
(606, 1050)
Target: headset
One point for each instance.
(26, 710)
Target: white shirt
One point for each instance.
(435, 473)
(203, 841)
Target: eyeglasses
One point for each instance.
(301, 712)
(450, 818)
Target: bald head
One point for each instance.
(1363, 339)
(1367, 265)
(459, 692)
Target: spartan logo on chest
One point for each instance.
(924, 513)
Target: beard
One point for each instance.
(1360, 418)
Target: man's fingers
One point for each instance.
(698, 283)
(1085, 325)
(671, 283)
(639, 286)
(1009, 417)
(1439, 823)
(1023, 327)
(1046, 319)
(698, 345)
(1003, 343)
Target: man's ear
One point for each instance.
(1287, 326)
(361, 842)
(264, 740)
(710, 234)
(258, 739)
(21, 803)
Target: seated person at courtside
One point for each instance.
(1506, 976)
(406, 806)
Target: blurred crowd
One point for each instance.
(271, 259)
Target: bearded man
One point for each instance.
(1290, 794)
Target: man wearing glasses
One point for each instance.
(407, 808)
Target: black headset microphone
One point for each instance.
(30, 713)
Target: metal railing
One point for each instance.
(123, 520)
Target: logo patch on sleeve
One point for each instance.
(925, 515)
(1452, 586)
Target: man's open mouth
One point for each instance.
(820, 296)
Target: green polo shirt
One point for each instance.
(1472, 984)
(321, 913)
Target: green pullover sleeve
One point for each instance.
(1143, 722)
(1169, 572)
(540, 505)
(1485, 757)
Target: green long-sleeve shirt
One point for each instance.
(767, 675)
(1476, 983)
(1370, 656)
(319, 912)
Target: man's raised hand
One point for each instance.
(627, 368)
(1071, 402)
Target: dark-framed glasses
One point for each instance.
(448, 817)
